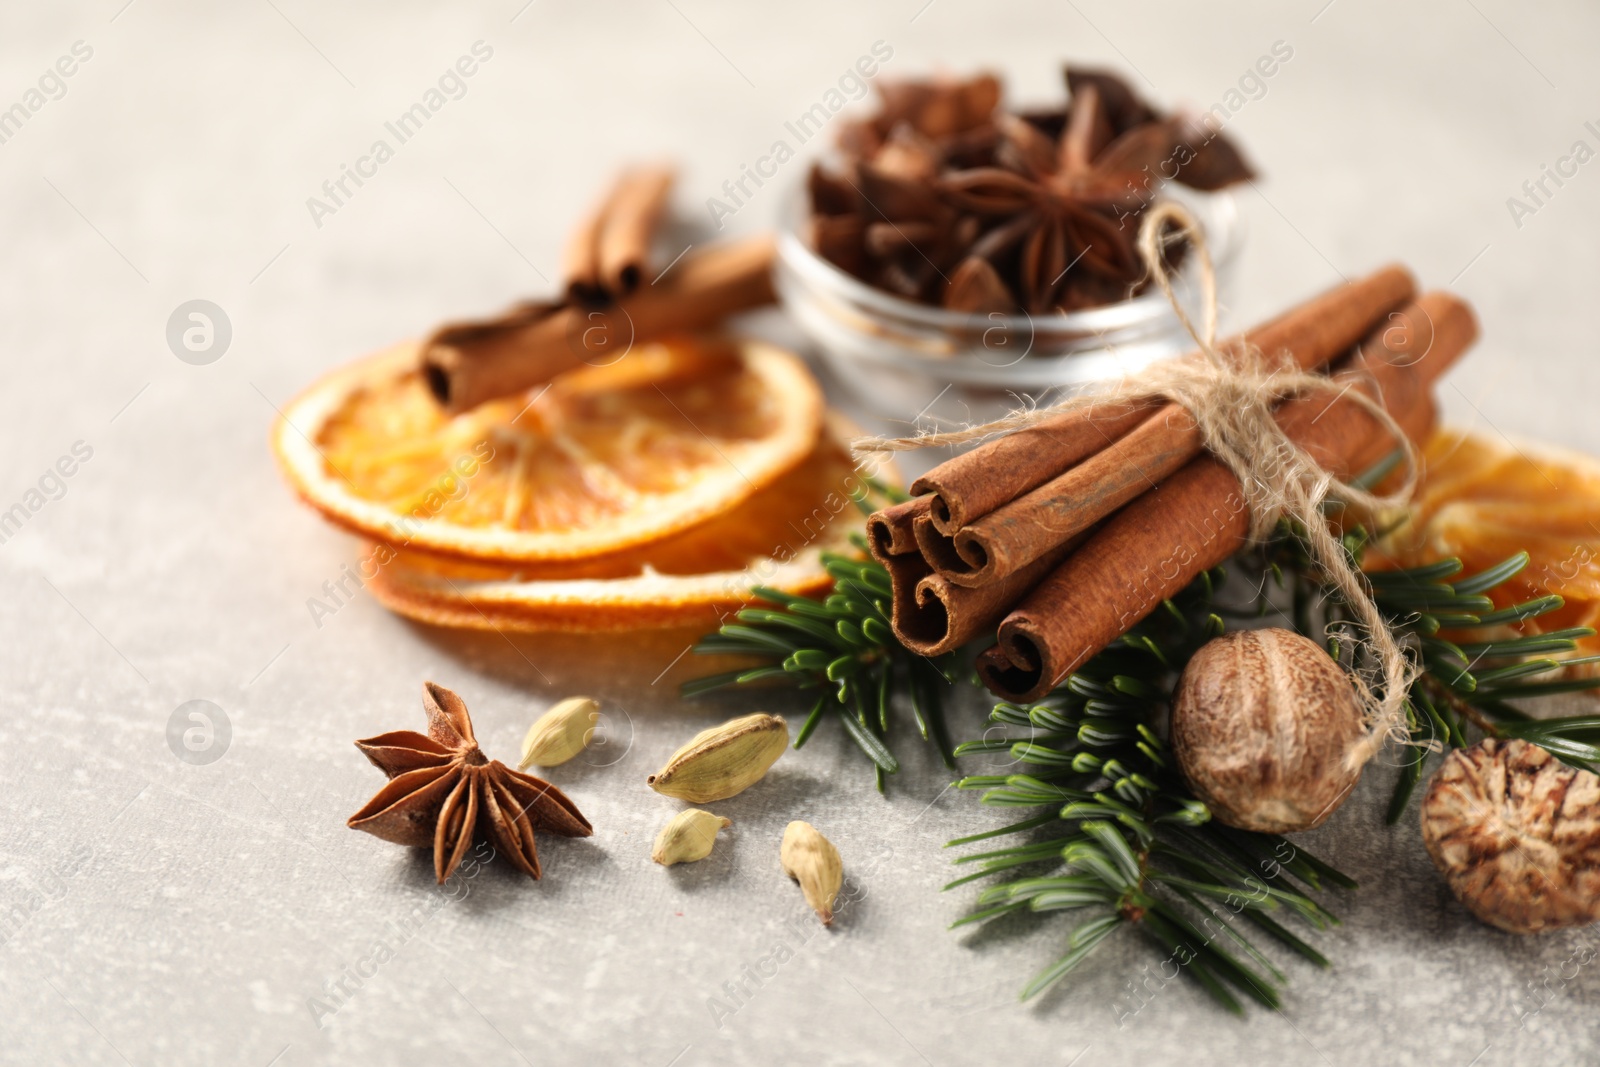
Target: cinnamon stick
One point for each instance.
(929, 614)
(939, 616)
(580, 259)
(605, 256)
(890, 529)
(466, 364)
(906, 570)
(625, 242)
(1199, 517)
(977, 482)
(994, 474)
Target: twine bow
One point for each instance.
(1231, 397)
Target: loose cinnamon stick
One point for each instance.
(1016, 534)
(997, 472)
(1199, 517)
(605, 255)
(580, 259)
(625, 242)
(466, 364)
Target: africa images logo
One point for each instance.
(51, 85)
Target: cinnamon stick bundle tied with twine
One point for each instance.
(934, 614)
(1202, 516)
(1062, 592)
(1029, 466)
(994, 545)
(1023, 499)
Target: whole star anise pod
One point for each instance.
(441, 786)
(1067, 201)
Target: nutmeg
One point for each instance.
(1262, 723)
(1516, 834)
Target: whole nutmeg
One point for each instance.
(1516, 834)
(1262, 722)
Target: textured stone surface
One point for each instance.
(162, 911)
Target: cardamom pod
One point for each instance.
(688, 837)
(560, 733)
(724, 760)
(810, 859)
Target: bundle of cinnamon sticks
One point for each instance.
(1058, 538)
(609, 301)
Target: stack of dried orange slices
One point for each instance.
(656, 491)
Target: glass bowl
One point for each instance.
(905, 360)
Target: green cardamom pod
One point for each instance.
(724, 760)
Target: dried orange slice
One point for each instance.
(600, 460)
(1484, 500)
(694, 578)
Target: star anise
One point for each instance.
(441, 786)
(940, 108)
(1066, 201)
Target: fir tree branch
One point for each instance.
(1465, 688)
(1135, 847)
(843, 647)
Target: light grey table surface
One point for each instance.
(153, 911)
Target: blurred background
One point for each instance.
(160, 912)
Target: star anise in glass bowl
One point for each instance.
(944, 198)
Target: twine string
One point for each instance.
(1231, 396)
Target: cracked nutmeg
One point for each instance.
(443, 791)
(1516, 834)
